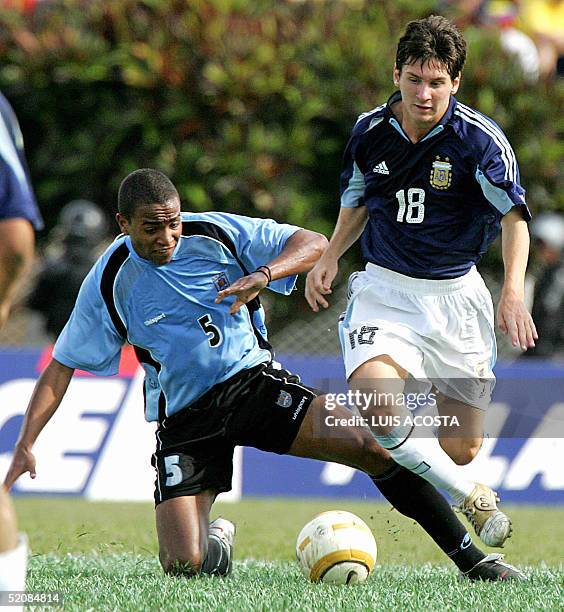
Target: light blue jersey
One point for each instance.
(185, 341)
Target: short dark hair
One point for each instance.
(433, 39)
(142, 187)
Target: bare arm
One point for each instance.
(350, 225)
(299, 254)
(512, 315)
(47, 395)
(17, 242)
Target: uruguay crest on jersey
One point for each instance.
(221, 281)
(284, 399)
(441, 175)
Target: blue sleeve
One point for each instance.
(498, 176)
(352, 184)
(89, 340)
(259, 241)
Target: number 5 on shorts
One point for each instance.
(173, 470)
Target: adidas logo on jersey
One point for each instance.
(381, 168)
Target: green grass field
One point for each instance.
(102, 556)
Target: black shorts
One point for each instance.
(261, 407)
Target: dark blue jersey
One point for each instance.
(434, 206)
(16, 195)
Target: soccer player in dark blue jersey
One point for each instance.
(19, 217)
(427, 184)
(183, 289)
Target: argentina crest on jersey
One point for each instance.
(221, 281)
(441, 173)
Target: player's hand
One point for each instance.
(23, 461)
(319, 281)
(514, 319)
(245, 289)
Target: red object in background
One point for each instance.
(25, 6)
(127, 366)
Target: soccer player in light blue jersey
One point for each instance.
(183, 289)
(427, 184)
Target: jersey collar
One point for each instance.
(391, 118)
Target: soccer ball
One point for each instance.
(336, 547)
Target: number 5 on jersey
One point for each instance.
(212, 331)
(415, 207)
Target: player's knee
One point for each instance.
(462, 452)
(467, 455)
(185, 565)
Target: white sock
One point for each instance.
(425, 457)
(13, 567)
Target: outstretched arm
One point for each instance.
(350, 225)
(301, 251)
(47, 395)
(17, 242)
(513, 318)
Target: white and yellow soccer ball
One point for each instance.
(336, 547)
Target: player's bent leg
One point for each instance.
(182, 529)
(461, 450)
(382, 379)
(336, 435)
(409, 494)
(304, 431)
(425, 456)
(193, 463)
(462, 441)
(461, 431)
(378, 382)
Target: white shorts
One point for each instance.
(440, 331)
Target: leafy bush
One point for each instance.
(246, 105)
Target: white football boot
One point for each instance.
(490, 524)
(224, 532)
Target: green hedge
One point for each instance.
(247, 105)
